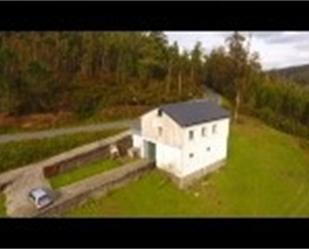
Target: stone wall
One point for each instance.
(96, 186)
(101, 151)
(188, 180)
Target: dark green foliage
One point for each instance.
(299, 74)
(86, 99)
(280, 102)
(284, 98)
(281, 122)
(18, 154)
(39, 71)
(85, 72)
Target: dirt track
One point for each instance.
(64, 131)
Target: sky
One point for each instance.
(277, 49)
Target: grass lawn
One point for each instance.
(80, 173)
(17, 154)
(2, 205)
(267, 174)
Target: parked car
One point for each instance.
(40, 197)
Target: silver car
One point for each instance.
(40, 197)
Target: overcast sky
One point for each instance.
(276, 49)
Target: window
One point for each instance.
(191, 135)
(160, 130)
(214, 129)
(160, 113)
(191, 155)
(204, 132)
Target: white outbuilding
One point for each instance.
(187, 139)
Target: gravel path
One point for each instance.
(17, 203)
(21, 180)
(64, 131)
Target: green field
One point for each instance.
(2, 205)
(83, 172)
(17, 154)
(267, 174)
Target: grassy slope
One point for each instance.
(2, 205)
(83, 172)
(267, 174)
(17, 154)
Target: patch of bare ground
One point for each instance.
(39, 121)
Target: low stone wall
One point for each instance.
(96, 186)
(88, 153)
(191, 178)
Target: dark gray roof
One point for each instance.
(195, 112)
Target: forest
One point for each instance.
(86, 72)
(300, 74)
(235, 72)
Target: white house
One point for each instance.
(187, 139)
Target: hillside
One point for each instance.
(267, 179)
(299, 74)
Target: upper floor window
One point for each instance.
(191, 135)
(204, 132)
(214, 129)
(160, 113)
(160, 130)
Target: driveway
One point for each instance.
(64, 131)
(17, 204)
(18, 182)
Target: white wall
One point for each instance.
(169, 159)
(137, 142)
(198, 146)
(173, 147)
(171, 131)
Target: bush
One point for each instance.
(280, 122)
(86, 101)
(17, 154)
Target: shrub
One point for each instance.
(17, 154)
(281, 122)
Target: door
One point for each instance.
(150, 150)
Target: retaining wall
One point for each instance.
(186, 181)
(88, 153)
(96, 186)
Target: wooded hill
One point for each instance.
(84, 72)
(299, 74)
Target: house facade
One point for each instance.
(187, 139)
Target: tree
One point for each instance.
(218, 72)
(196, 62)
(173, 61)
(123, 67)
(242, 64)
